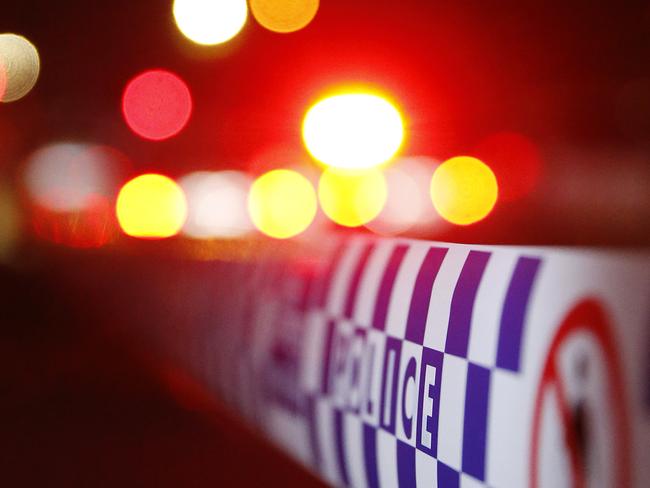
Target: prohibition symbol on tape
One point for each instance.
(580, 431)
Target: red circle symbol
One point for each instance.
(587, 317)
(156, 104)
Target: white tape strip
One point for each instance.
(406, 363)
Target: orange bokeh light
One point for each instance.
(284, 15)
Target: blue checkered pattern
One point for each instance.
(390, 362)
(396, 359)
(376, 367)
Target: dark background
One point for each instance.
(83, 404)
(77, 408)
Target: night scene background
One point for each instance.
(553, 96)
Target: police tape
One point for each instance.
(392, 362)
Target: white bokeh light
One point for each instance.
(353, 131)
(408, 205)
(216, 204)
(210, 22)
(19, 67)
(64, 177)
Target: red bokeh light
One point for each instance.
(156, 104)
(92, 227)
(515, 160)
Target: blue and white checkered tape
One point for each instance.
(408, 363)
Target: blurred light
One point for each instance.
(91, 227)
(71, 187)
(210, 22)
(408, 204)
(64, 177)
(463, 190)
(19, 67)
(295, 158)
(151, 206)
(353, 130)
(352, 198)
(282, 203)
(284, 15)
(156, 104)
(515, 161)
(216, 204)
(10, 222)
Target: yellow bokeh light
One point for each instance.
(282, 203)
(353, 130)
(151, 206)
(464, 190)
(352, 198)
(210, 22)
(19, 67)
(284, 15)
